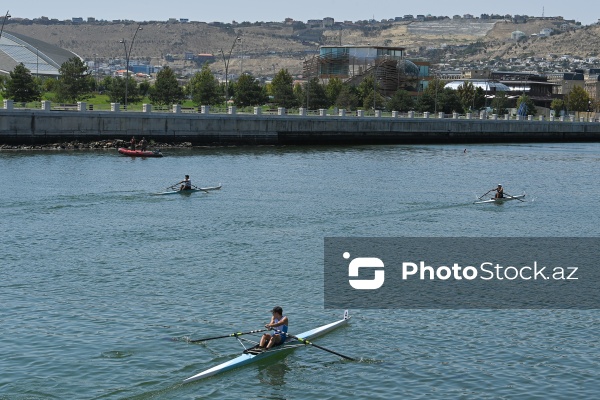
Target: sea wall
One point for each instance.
(26, 126)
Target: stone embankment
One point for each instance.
(94, 145)
(96, 129)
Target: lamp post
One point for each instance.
(308, 67)
(375, 85)
(6, 16)
(127, 55)
(239, 39)
(96, 72)
(226, 62)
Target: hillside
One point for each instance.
(273, 46)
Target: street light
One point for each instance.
(7, 16)
(96, 72)
(127, 55)
(308, 70)
(226, 62)
(239, 39)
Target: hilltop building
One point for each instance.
(41, 58)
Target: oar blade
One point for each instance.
(322, 348)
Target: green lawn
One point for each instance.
(102, 102)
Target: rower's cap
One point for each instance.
(277, 309)
(499, 184)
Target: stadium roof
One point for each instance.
(485, 85)
(39, 57)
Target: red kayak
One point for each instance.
(140, 153)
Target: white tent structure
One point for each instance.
(487, 86)
(39, 57)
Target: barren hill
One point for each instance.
(269, 47)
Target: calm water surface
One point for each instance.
(102, 282)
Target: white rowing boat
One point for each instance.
(253, 354)
(501, 200)
(188, 191)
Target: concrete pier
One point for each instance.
(26, 126)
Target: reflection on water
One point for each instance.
(274, 374)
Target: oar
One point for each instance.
(516, 198)
(235, 334)
(321, 347)
(305, 341)
(485, 193)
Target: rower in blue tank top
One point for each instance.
(279, 323)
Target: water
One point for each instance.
(102, 281)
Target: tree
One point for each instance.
(348, 98)
(425, 102)
(479, 98)
(472, 98)
(144, 88)
(577, 100)
(366, 87)
(432, 99)
(500, 103)
(333, 89)
(299, 94)
(282, 88)
(529, 105)
(248, 92)
(204, 88)
(20, 86)
(400, 101)
(449, 102)
(75, 82)
(466, 94)
(557, 106)
(374, 100)
(166, 89)
(115, 88)
(317, 98)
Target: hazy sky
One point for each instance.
(273, 10)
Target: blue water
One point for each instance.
(102, 281)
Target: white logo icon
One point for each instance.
(365, 262)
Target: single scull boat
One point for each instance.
(188, 191)
(501, 200)
(253, 354)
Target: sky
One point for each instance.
(273, 10)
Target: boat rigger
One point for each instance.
(254, 354)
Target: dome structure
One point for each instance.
(408, 67)
(39, 57)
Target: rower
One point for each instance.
(186, 184)
(143, 144)
(280, 323)
(499, 192)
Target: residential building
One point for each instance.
(566, 81)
